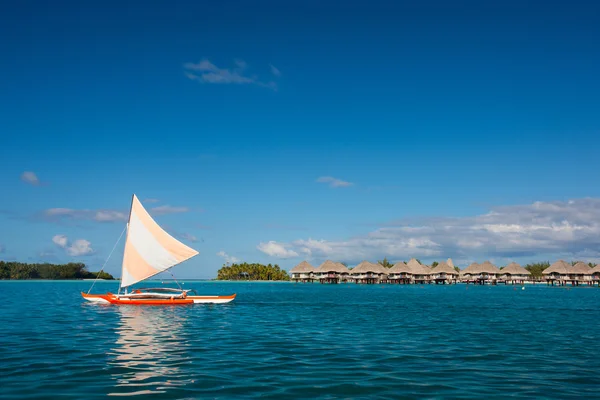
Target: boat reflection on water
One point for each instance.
(150, 353)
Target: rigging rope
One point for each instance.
(175, 280)
(113, 249)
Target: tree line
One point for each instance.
(18, 270)
(252, 272)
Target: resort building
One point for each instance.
(443, 273)
(488, 273)
(368, 272)
(400, 273)
(560, 273)
(420, 273)
(514, 273)
(580, 273)
(557, 273)
(470, 274)
(595, 274)
(303, 272)
(332, 272)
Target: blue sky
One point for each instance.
(466, 131)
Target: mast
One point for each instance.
(126, 238)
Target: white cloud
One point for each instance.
(79, 247)
(275, 249)
(334, 182)
(60, 240)
(275, 71)
(150, 201)
(228, 259)
(206, 72)
(541, 229)
(31, 178)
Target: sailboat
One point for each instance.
(150, 250)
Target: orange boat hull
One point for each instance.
(110, 298)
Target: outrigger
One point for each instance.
(150, 250)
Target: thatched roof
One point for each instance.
(399, 268)
(596, 269)
(304, 266)
(488, 268)
(514, 269)
(330, 266)
(419, 269)
(450, 263)
(343, 267)
(472, 269)
(580, 268)
(443, 268)
(366, 266)
(412, 263)
(559, 267)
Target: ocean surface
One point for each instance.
(286, 341)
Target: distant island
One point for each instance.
(252, 272)
(22, 271)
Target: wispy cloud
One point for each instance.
(166, 209)
(334, 182)
(275, 249)
(62, 214)
(228, 258)
(77, 248)
(30, 178)
(188, 236)
(275, 71)
(541, 229)
(2, 249)
(101, 215)
(206, 72)
(151, 201)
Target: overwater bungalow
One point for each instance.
(488, 273)
(580, 273)
(470, 274)
(332, 272)
(420, 273)
(367, 272)
(400, 273)
(557, 273)
(303, 272)
(443, 273)
(514, 273)
(595, 275)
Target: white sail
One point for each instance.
(149, 250)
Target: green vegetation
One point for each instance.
(386, 263)
(252, 272)
(18, 270)
(434, 264)
(536, 269)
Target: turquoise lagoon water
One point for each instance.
(285, 340)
